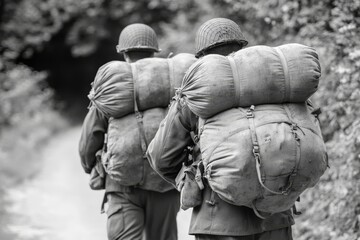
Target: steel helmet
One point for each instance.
(137, 36)
(218, 31)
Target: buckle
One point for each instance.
(250, 112)
(256, 152)
(256, 149)
(296, 137)
(138, 115)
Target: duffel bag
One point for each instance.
(263, 157)
(125, 159)
(153, 79)
(256, 75)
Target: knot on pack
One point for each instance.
(91, 95)
(178, 93)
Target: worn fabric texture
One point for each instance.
(92, 137)
(125, 160)
(166, 154)
(140, 212)
(98, 174)
(292, 152)
(92, 140)
(153, 79)
(251, 76)
(217, 217)
(278, 234)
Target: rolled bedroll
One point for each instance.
(256, 75)
(153, 79)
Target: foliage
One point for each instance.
(27, 119)
(87, 27)
(179, 34)
(332, 208)
(22, 95)
(29, 27)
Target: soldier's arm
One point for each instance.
(167, 151)
(92, 137)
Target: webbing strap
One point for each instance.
(102, 207)
(286, 97)
(199, 174)
(212, 201)
(236, 78)
(198, 160)
(138, 115)
(201, 124)
(256, 150)
(171, 76)
(294, 127)
(194, 137)
(294, 172)
(257, 213)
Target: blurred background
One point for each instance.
(51, 49)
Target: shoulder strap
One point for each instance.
(195, 134)
(170, 62)
(198, 161)
(138, 115)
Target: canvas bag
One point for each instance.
(97, 174)
(252, 76)
(125, 159)
(291, 155)
(113, 88)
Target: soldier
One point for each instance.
(131, 210)
(213, 218)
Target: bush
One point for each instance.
(27, 119)
(332, 208)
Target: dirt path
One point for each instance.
(58, 204)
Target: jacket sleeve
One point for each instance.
(92, 137)
(167, 150)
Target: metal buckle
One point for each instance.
(138, 115)
(256, 150)
(250, 112)
(196, 139)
